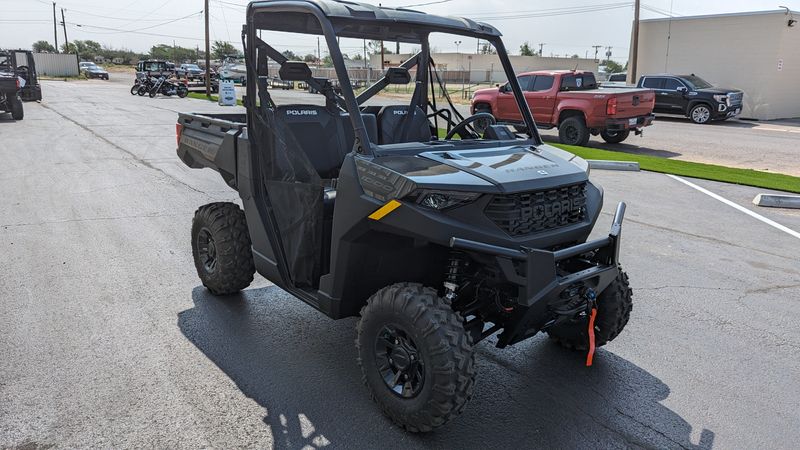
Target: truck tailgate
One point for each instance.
(633, 102)
(210, 140)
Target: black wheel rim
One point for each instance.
(207, 250)
(399, 362)
(571, 133)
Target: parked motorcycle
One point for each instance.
(145, 85)
(167, 87)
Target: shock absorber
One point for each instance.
(456, 268)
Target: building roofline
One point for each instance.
(714, 16)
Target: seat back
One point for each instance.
(349, 135)
(392, 121)
(318, 133)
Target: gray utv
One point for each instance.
(437, 231)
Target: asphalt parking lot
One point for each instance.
(107, 338)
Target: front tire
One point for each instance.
(573, 131)
(17, 111)
(415, 356)
(700, 114)
(615, 137)
(614, 307)
(221, 248)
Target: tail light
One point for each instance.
(17, 80)
(178, 132)
(611, 106)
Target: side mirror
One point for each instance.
(682, 89)
(294, 71)
(398, 75)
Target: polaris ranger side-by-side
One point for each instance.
(363, 210)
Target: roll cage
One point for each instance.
(335, 19)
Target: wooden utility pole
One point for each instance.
(55, 26)
(208, 55)
(635, 46)
(66, 40)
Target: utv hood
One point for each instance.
(513, 168)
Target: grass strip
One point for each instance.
(747, 177)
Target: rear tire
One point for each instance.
(182, 91)
(17, 111)
(614, 307)
(134, 89)
(142, 90)
(152, 93)
(573, 131)
(221, 248)
(408, 334)
(615, 137)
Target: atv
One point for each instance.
(10, 100)
(436, 232)
(21, 63)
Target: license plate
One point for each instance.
(632, 122)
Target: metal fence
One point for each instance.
(56, 64)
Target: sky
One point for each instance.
(565, 27)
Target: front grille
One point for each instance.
(532, 212)
(735, 98)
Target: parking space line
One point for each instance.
(737, 206)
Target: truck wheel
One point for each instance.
(17, 113)
(221, 248)
(415, 357)
(573, 131)
(615, 137)
(614, 307)
(700, 114)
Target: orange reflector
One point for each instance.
(379, 213)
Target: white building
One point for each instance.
(757, 52)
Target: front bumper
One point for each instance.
(725, 112)
(629, 123)
(545, 279)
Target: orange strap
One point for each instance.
(591, 338)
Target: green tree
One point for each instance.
(357, 57)
(221, 49)
(488, 49)
(309, 58)
(525, 49)
(43, 47)
(612, 66)
(290, 55)
(71, 48)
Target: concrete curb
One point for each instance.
(777, 201)
(630, 166)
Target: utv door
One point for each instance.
(293, 195)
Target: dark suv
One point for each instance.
(693, 97)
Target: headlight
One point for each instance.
(721, 98)
(441, 200)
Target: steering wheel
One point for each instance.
(23, 72)
(461, 128)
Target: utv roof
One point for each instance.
(361, 21)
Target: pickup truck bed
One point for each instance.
(212, 140)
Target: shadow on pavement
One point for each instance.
(300, 366)
(626, 147)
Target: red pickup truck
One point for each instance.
(571, 101)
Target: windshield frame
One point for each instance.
(422, 31)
